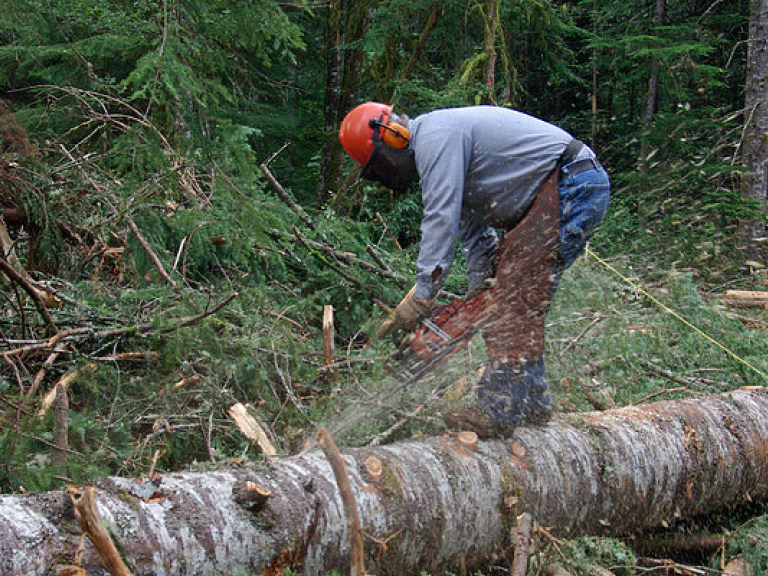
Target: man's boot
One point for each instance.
(538, 410)
(477, 421)
(502, 395)
(508, 395)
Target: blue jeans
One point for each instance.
(583, 203)
(512, 393)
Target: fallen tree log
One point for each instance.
(435, 504)
(746, 298)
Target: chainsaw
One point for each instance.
(448, 329)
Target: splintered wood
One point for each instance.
(65, 382)
(328, 335)
(251, 428)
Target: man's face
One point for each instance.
(395, 169)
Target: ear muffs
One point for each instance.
(393, 135)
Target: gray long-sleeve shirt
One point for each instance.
(480, 167)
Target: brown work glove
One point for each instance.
(410, 311)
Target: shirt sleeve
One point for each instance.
(442, 158)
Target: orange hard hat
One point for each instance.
(358, 127)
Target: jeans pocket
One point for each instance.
(582, 209)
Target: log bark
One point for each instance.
(435, 506)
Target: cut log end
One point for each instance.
(374, 468)
(518, 449)
(467, 439)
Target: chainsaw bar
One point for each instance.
(409, 367)
(449, 329)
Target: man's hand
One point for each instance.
(410, 311)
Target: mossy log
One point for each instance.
(434, 505)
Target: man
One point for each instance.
(484, 168)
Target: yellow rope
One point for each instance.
(669, 310)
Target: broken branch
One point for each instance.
(522, 542)
(61, 430)
(285, 197)
(37, 298)
(87, 514)
(135, 330)
(328, 335)
(149, 251)
(331, 451)
(343, 257)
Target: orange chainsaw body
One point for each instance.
(449, 326)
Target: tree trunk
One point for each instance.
(756, 133)
(491, 21)
(346, 28)
(433, 17)
(652, 98)
(331, 159)
(435, 504)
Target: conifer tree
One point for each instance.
(756, 128)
